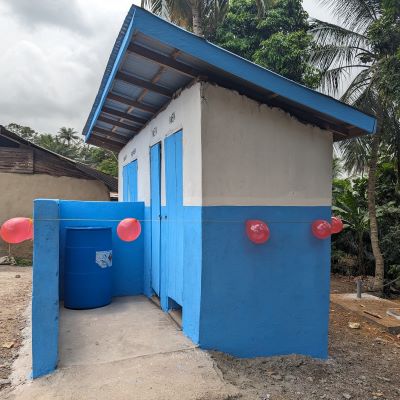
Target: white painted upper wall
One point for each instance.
(187, 109)
(256, 155)
(236, 152)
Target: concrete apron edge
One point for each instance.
(184, 349)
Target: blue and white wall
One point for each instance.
(243, 160)
(182, 113)
(260, 163)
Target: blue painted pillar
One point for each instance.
(45, 296)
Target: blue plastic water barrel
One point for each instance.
(87, 273)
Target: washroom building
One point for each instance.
(208, 140)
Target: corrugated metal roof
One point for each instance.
(153, 58)
(108, 180)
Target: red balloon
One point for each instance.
(129, 229)
(337, 225)
(321, 229)
(257, 231)
(17, 230)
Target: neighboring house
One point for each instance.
(208, 140)
(28, 171)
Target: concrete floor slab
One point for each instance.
(128, 350)
(370, 307)
(128, 327)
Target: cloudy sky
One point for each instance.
(53, 54)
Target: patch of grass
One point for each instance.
(23, 262)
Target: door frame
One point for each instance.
(159, 144)
(126, 175)
(173, 233)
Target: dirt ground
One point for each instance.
(15, 288)
(364, 363)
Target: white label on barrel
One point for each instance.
(104, 258)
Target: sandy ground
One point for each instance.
(15, 287)
(364, 363)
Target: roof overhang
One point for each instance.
(152, 59)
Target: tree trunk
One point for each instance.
(197, 28)
(373, 223)
(398, 156)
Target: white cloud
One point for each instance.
(51, 66)
(59, 13)
(52, 57)
(316, 10)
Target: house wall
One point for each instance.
(244, 160)
(19, 190)
(182, 113)
(256, 155)
(260, 163)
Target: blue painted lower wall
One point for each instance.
(241, 298)
(270, 299)
(192, 273)
(246, 299)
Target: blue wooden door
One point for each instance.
(174, 214)
(129, 176)
(155, 211)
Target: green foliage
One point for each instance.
(284, 53)
(23, 262)
(239, 33)
(278, 40)
(351, 249)
(365, 47)
(384, 36)
(24, 131)
(68, 144)
(284, 16)
(200, 16)
(358, 58)
(108, 166)
(392, 253)
(67, 135)
(350, 204)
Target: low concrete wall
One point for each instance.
(45, 308)
(51, 217)
(19, 190)
(127, 270)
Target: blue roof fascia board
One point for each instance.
(162, 31)
(114, 62)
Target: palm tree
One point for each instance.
(344, 52)
(67, 135)
(56, 145)
(190, 14)
(199, 15)
(355, 217)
